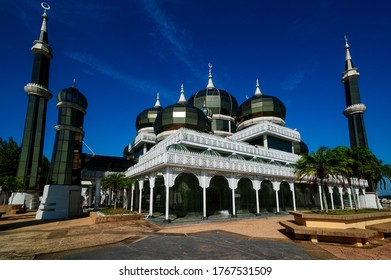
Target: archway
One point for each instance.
(186, 195)
(267, 197)
(285, 197)
(159, 196)
(337, 198)
(305, 196)
(219, 196)
(245, 201)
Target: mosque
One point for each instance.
(205, 155)
(208, 155)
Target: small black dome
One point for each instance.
(72, 95)
(300, 148)
(181, 115)
(260, 107)
(147, 117)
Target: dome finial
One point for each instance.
(74, 83)
(210, 81)
(346, 42)
(257, 90)
(182, 98)
(46, 7)
(157, 104)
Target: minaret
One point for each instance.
(354, 108)
(38, 96)
(62, 196)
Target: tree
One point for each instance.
(9, 157)
(114, 182)
(346, 168)
(9, 184)
(316, 168)
(372, 169)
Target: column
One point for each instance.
(204, 180)
(358, 198)
(276, 188)
(233, 185)
(152, 180)
(167, 220)
(140, 186)
(340, 190)
(320, 197)
(350, 197)
(265, 144)
(331, 197)
(257, 186)
(292, 187)
(132, 198)
(97, 193)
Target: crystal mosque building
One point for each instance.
(209, 155)
(202, 156)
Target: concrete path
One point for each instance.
(23, 237)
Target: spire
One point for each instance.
(210, 82)
(74, 83)
(257, 90)
(157, 104)
(43, 36)
(350, 70)
(348, 61)
(182, 98)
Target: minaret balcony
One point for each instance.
(355, 109)
(36, 89)
(350, 73)
(41, 47)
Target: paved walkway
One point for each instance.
(246, 237)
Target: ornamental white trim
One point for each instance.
(190, 161)
(36, 89)
(266, 127)
(355, 109)
(141, 138)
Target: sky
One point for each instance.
(121, 53)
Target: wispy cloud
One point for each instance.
(293, 80)
(108, 71)
(168, 29)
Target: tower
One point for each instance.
(38, 96)
(62, 197)
(66, 158)
(354, 108)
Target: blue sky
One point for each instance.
(122, 53)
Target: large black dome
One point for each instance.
(260, 107)
(218, 101)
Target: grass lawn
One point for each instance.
(112, 211)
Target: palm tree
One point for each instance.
(114, 182)
(316, 167)
(346, 168)
(373, 170)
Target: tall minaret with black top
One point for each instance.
(354, 108)
(38, 96)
